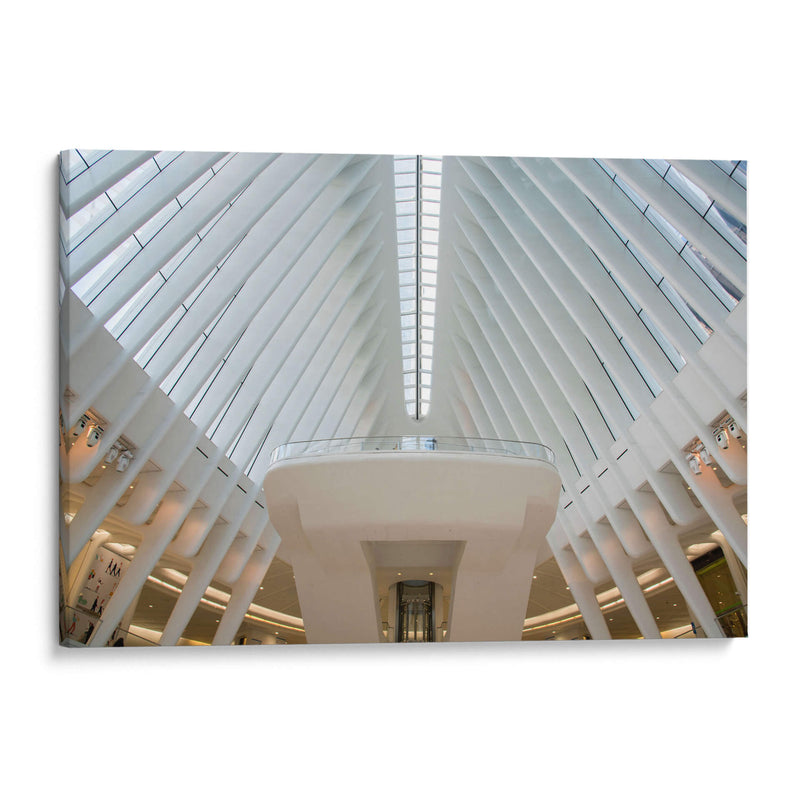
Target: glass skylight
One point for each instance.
(418, 182)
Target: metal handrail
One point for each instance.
(414, 443)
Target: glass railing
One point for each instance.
(733, 624)
(406, 444)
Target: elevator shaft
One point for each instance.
(415, 618)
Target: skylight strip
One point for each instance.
(418, 182)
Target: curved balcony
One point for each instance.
(410, 444)
(355, 515)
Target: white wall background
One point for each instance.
(615, 719)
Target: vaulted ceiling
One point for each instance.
(224, 304)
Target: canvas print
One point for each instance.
(383, 399)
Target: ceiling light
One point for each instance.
(94, 435)
(123, 461)
(722, 438)
(705, 455)
(694, 463)
(80, 427)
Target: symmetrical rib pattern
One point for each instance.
(216, 305)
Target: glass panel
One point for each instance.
(156, 223)
(407, 193)
(671, 353)
(637, 200)
(651, 382)
(150, 348)
(693, 194)
(429, 278)
(168, 156)
(406, 249)
(190, 191)
(124, 189)
(72, 165)
(404, 236)
(408, 221)
(671, 234)
(92, 284)
(93, 156)
(85, 221)
(117, 324)
(659, 165)
(209, 225)
(726, 166)
(729, 227)
(406, 179)
(605, 168)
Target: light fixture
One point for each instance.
(721, 436)
(80, 427)
(705, 456)
(124, 459)
(94, 435)
(735, 430)
(112, 454)
(694, 463)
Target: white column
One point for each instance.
(246, 588)
(583, 592)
